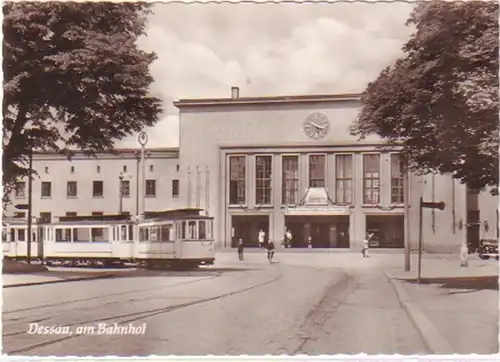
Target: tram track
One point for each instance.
(20, 322)
(43, 306)
(139, 315)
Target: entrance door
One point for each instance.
(246, 227)
(320, 234)
(343, 235)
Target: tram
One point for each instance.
(181, 238)
(15, 239)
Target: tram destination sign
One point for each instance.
(22, 206)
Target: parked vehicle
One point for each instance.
(488, 248)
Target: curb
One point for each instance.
(434, 341)
(67, 280)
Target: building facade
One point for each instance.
(290, 163)
(270, 164)
(87, 185)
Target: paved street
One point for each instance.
(233, 308)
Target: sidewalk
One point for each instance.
(59, 276)
(454, 308)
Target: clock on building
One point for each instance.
(316, 126)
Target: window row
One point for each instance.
(98, 168)
(317, 178)
(97, 189)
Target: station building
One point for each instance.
(279, 163)
(270, 164)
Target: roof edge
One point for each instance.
(318, 98)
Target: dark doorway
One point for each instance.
(343, 234)
(324, 231)
(246, 227)
(388, 230)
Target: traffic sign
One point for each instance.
(22, 206)
(433, 205)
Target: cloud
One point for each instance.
(267, 49)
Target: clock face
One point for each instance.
(316, 126)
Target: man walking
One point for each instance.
(366, 244)
(240, 250)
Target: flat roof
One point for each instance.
(115, 150)
(319, 98)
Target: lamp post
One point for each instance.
(30, 206)
(142, 138)
(121, 193)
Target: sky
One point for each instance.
(266, 49)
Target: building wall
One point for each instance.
(210, 132)
(58, 170)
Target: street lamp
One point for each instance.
(121, 192)
(142, 138)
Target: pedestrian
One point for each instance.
(270, 251)
(261, 237)
(366, 244)
(289, 237)
(240, 250)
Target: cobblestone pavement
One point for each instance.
(313, 305)
(467, 319)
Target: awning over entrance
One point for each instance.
(316, 201)
(317, 210)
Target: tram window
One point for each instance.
(183, 230)
(62, 235)
(165, 232)
(21, 235)
(12, 234)
(67, 234)
(144, 234)
(75, 235)
(202, 231)
(131, 232)
(192, 230)
(124, 233)
(154, 231)
(98, 234)
(4, 236)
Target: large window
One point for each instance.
(20, 189)
(175, 189)
(371, 179)
(290, 180)
(263, 172)
(71, 189)
(151, 188)
(98, 189)
(237, 180)
(317, 170)
(343, 179)
(125, 187)
(397, 179)
(45, 217)
(46, 189)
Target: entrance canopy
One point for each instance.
(317, 202)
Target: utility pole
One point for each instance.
(30, 206)
(207, 189)
(406, 191)
(121, 193)
(198, 196)
(189, 188)
(143, 140)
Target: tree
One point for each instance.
(439, 102)
(73, 78)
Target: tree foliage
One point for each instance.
(73, 78)
(439, 102)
